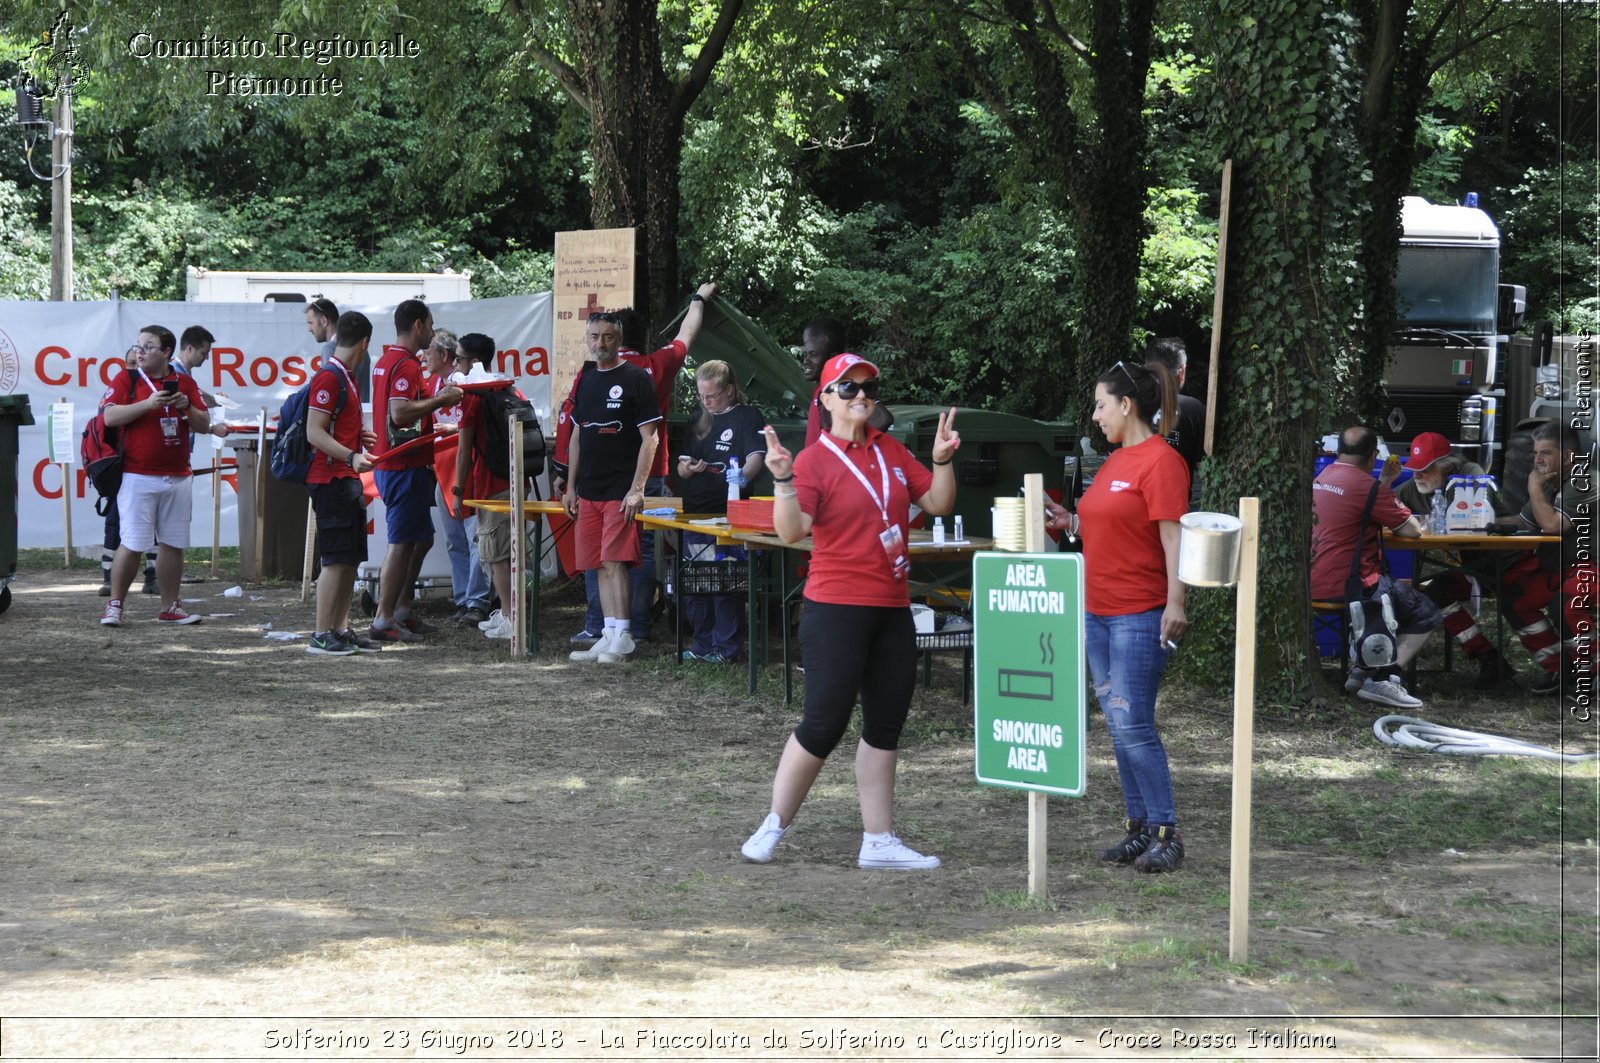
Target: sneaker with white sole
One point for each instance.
(892, 854)
(494, 618)
(618, 649)
(593, 653)
(1388, 692)
(112, 617)
(177, 614)
(1356, 679)
(499, 628)
(759, 846)
(329, 644)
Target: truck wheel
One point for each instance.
(1519, 463)
(5, 599)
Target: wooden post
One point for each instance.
(66, 498)
(61, 288)
(1038, 803)
(1244, 702)
(66, 509)
(1216, 306)
(308, 562)
(519, 543)
(216, 510)
(262, 454)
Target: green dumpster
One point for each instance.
(997, 450)
(14, 413)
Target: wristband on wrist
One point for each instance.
(783, 479)
(946, 461)
(350, 459)
(697, 298)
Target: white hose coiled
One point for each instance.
(1411, 733)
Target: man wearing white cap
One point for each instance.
(1524, 589)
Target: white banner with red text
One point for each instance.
(70, 352)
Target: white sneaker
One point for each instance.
(1356, 679)
(593, 652)
(1388, 692)
(759, 846)
(494, 618)
(893, 855)
(500, 626)
(617, 651)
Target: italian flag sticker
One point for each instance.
(1461, 367)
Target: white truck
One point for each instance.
(357, 289)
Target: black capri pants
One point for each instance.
(856, 649)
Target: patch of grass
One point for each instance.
(1019, 900)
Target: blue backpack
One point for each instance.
(292, 452)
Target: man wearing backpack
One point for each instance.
(476, 478)
(407, 486)
(156, 499)
(333, 428)
(1340, 526)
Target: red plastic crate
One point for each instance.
(754, 514)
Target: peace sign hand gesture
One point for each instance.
(780, 463)
(947, 440)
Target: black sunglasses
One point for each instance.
(847, 389)
(603, 315)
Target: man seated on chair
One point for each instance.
(1338, 500)
(1524, 589)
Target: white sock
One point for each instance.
(885, 837)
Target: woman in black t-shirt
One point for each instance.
(725, 447)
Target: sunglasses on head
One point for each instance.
(847, 389)
(603, 315)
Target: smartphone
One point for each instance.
(169, 386)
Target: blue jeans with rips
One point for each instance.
(1126, 660)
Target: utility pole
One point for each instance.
(61, 193)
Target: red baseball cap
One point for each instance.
(839, 365)
(1426, 449)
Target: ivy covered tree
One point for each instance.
(1281, 107)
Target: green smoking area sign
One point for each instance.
(1030, 686)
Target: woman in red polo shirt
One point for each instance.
(851, 492)
(1133, 598)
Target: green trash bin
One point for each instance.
(997, 451)
(14, 413)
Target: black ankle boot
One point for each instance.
(1165, 852)
(1129, 849)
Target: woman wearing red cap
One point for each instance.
(851, 492)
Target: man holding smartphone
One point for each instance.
(156, 409)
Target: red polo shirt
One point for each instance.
(146, 449)
(848, 563)
(663, 364)
(1135, 489)
(398, 375)
(345, 426)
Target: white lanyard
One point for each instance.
(881, 501)
(151, 385)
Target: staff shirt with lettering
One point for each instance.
(1125, 565)
(663, 364)
(609, 408)
(344, 424)
(848, 563)
(1338, 497)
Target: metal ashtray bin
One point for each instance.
(1208, 551)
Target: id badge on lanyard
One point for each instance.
(891, 538)
(169, 420)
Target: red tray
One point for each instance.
(753, 514)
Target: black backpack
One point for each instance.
(500, 404)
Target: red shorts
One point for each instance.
(604, 534)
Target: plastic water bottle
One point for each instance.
(734, 474)
(961, 534)
(938, 531)
(1441, 508)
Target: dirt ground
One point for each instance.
(217, 846)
